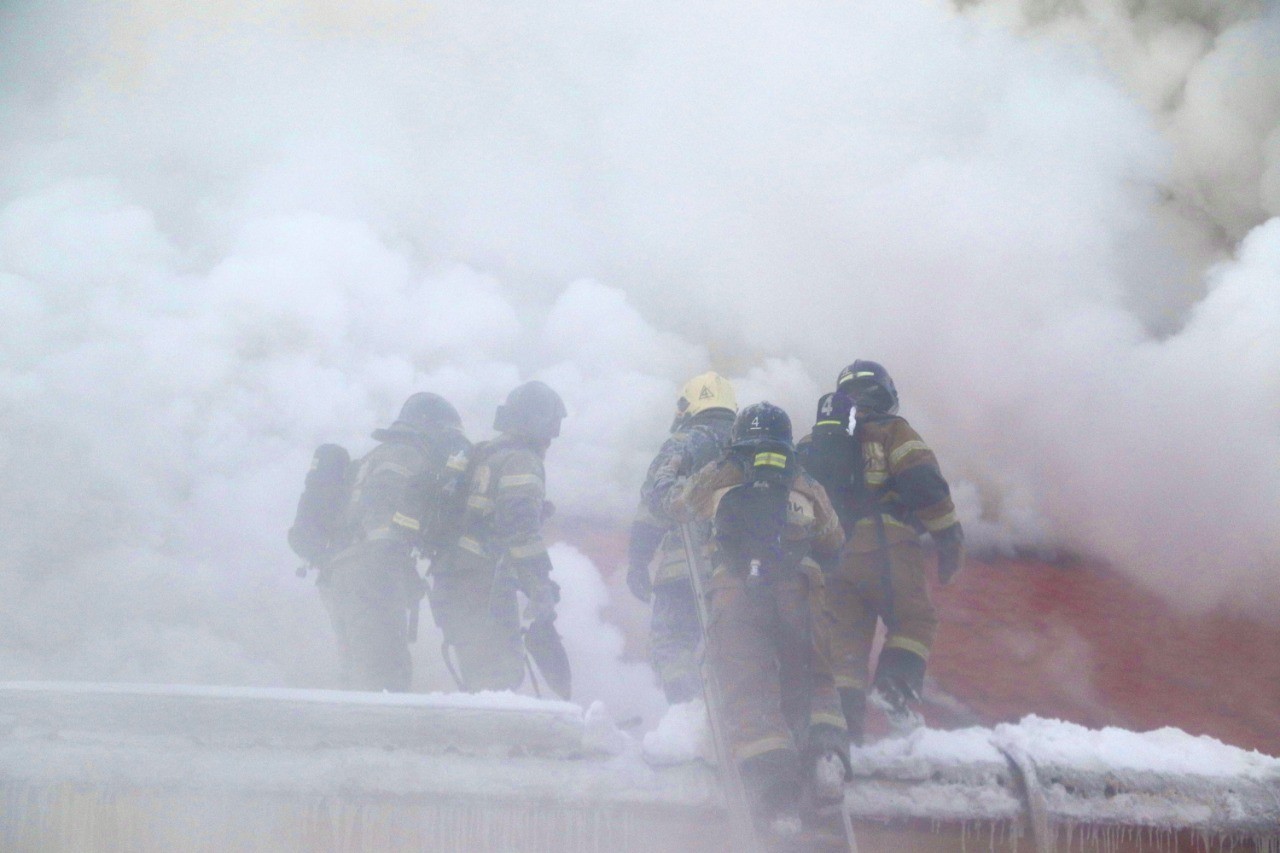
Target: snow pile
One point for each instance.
(600, 732)
(683, 734)
(1167, 751)
(487, 700)
(1054, 742)
(1166, 779)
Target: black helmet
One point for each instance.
(833, 412)
(870, 386)
(532, 410)
(424, 411)
(761, 422)
(761, 439)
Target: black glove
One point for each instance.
(645, 539)
(950, 544)
(639, 583)
(547, 650)
(533, 577)
(540, 609)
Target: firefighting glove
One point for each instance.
(645, 538)
(950, 544)
(533, 576)
(542, 604)
(639, 583)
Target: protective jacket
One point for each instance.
(888, 489)
(370, 585)
(768, 641)
(399, 486)
(500, 551)
(506, 490)
(700, 441)
(899, 479)
(811, 522)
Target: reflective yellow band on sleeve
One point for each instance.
(466, 543)
(456, 462)
(907, 644)
(937, 524)
(529, 549)
(761, 746)
(876, 478)
(511, 481)
(818, 718)
(771, 460)
(846, 682)
(405, 521)
(906, 448)
(675, 558)
(889, 521)
(479, 502)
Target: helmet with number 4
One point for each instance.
(761, 422)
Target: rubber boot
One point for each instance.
(772, 783)
(898, 684)
(854, 704)
(904, 668)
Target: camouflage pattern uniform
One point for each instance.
(368, 586)
(500, 552)
(768, 639)
(674, 631)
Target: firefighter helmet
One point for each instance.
(532, 410)
(424, 411)
(761, 422)
(704, 392)
(833, 412)
(870, 386)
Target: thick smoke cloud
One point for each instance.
(229, 232)
(1210, 75)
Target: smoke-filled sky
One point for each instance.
(230, 231)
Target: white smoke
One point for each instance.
(1208, 72)
(230, 232)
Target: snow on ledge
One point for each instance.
(484, 701)
(1166, 751)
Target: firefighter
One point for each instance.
(704, 418)
(501, 553)
(371, 585)
(888, 489)
(767, 636)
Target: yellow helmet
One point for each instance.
(706, 391)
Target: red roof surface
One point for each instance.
(1077, 643)
(1084, 644)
